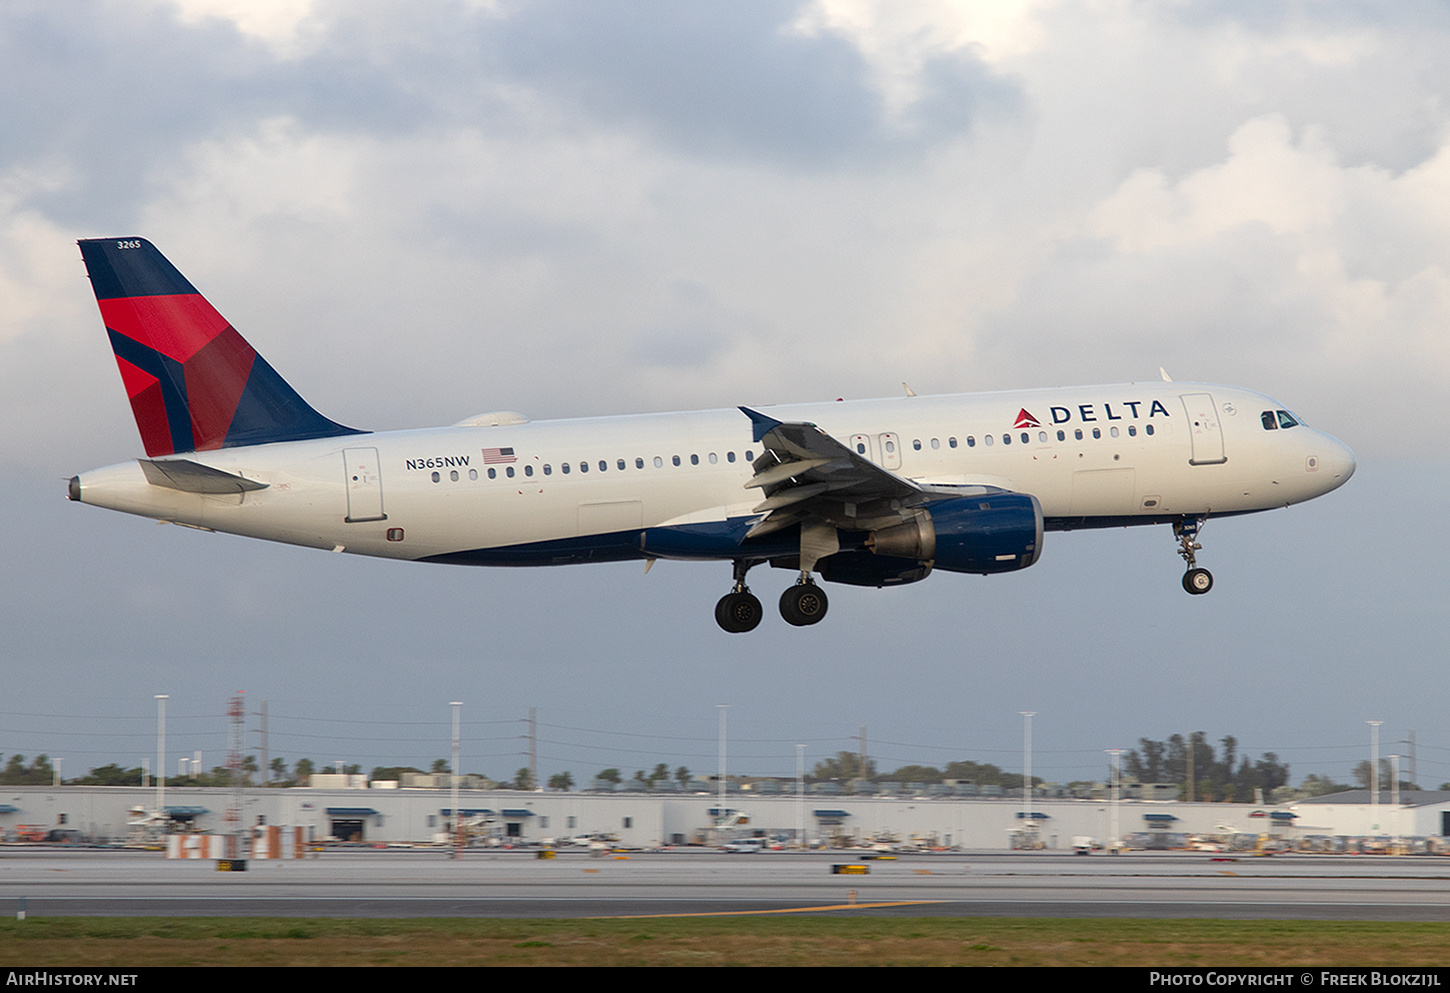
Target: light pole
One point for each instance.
(161, 699)
(1395, 796)
(1113, 800)
(1374, 774)
(720, 804)
(457, 819)
(800, 796)
(1027, 825)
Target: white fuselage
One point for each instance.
(662, 485)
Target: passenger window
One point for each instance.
(971, 441)
(603, 465)
(675, 459)
(1097, 432)
(564, 467)
(987, 439)
(749, 457)
(472, 473)
(509, 472)
(436, 477)
(1132, 431)
(951, 442)
(1042, 436)
(860, 448)
(935, 443)
(548, 470)
(729, 456)
(1077, 434)
(714, 459)
(528, 470)
(1270, 424)
(694, 460)
(1147, 429)
(916, 444)
(493, 473)
(639, 463)
(659, 462)
(1026, 437)
(621, 464)
(453, 476)
(583, 466)
(1006, 439)
(1113, 430)
(1061, 435)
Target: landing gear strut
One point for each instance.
(1196, 581)
(804, 603)
(739, 611)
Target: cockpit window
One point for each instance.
(1270, 424)
(1286, 419)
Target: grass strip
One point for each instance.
(776, 941)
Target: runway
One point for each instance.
(427, 883)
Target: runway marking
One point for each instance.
(786, 910)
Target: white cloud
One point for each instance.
(287, 27)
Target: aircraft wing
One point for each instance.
(805, 473)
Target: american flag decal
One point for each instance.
(496, 456)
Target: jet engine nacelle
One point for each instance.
(999, 532)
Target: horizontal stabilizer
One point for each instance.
(193, 477)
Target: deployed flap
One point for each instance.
(806, 473)
(193, 477)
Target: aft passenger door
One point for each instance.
(364, 485)
(1204, 429)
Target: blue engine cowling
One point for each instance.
(996, 532)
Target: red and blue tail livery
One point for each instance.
(194, 382)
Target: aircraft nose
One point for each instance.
(1337, 462)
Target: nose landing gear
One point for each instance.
(1196, 581)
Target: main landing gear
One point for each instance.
(1196, 581)
(739, 610)
(804, 603)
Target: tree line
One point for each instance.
(1219, 775)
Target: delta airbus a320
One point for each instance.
(870, 493)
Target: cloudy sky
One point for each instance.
(419, 211)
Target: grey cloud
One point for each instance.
(114, 92)
(733, 80)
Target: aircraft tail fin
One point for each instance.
(194, 382)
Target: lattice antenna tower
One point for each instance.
(236, 712)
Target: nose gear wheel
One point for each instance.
(1196, 581)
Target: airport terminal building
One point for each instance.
(651, 820)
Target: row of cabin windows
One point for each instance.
(567, 467)
(1026, 437)
(971, 440)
